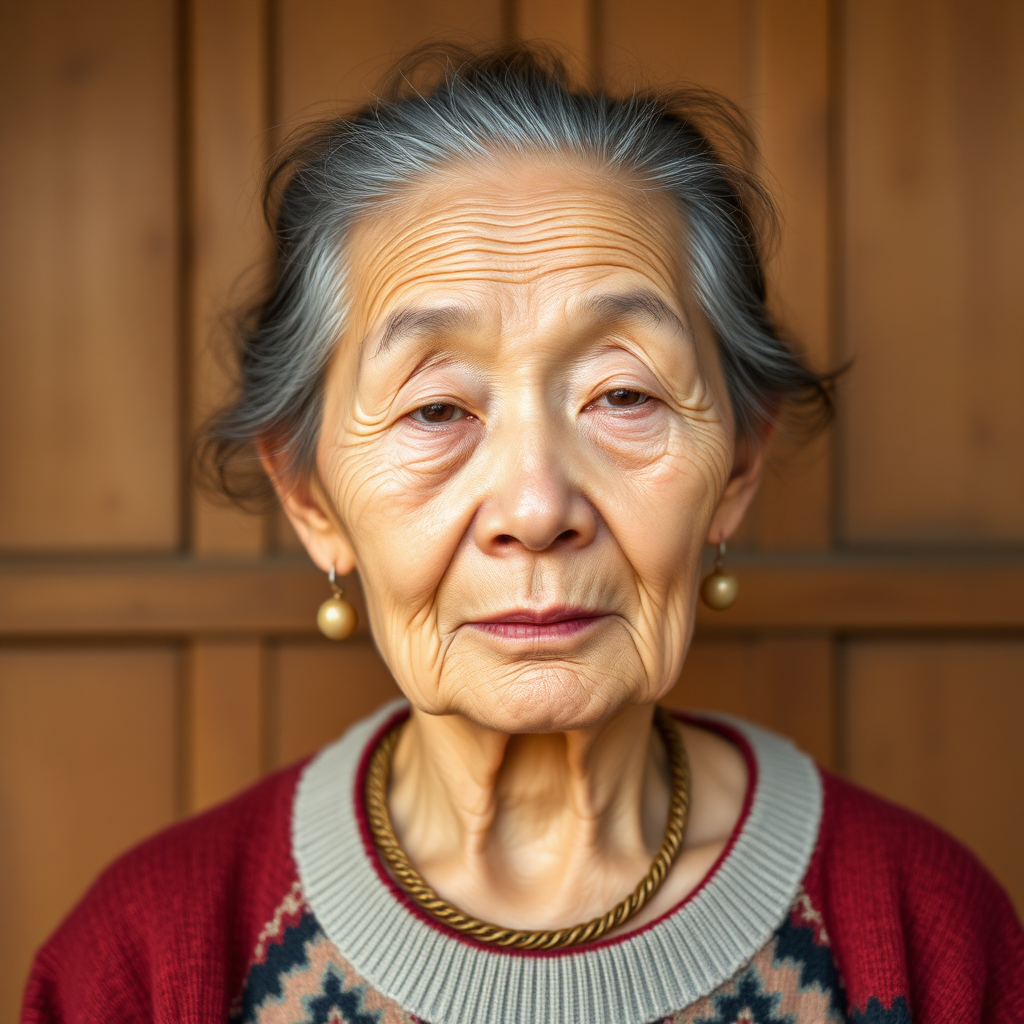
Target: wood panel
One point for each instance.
(228, 125)
(935, 725)
(228, 121)
(88, 766)
(787, 685)
(320, 688)
(933, 258)
(689, 40)
(571, 26)
(225, 719)
(89, 426)
(330, 55)
(791, 102)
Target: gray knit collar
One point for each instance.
(648, 974)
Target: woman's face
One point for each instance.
(526, 442)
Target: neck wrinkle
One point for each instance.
(464, 798)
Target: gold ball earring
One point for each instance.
(719, 588)
(337, 617)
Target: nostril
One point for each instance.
(504, 538)
(566, 535)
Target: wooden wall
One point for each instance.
(158, 653)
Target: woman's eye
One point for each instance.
(624, 398)
(437, 412)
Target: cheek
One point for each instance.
(660, 511)
(401, 497)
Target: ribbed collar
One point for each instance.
(441, 977)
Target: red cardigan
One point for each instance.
(919, 930)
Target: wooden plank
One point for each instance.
(791, 104)
(228, 141)
(225, 719)
(933, 259)
(88, 766)
(896, 594)
(319, 689)
(569, 25)
(330, 55)
(683, 41)
(180, 597)
(280, 596)
(89, 424)
(935, 725)
(785, 684)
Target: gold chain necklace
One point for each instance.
(377, 776)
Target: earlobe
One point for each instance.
(309, 513)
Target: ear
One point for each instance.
(311, 515)
(747, 467)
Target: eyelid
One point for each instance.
(607, 387)
(465, 414)
(647, 397)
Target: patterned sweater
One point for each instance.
(827, 904)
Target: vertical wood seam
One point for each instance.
(185, 745)
(836, 228)
(185, 103)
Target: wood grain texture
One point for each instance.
(787, 685)
(89, 293)
(228, 145)
(571, 26)
(934, 259)
(225, 719)
(935, 725)
(704, 44)
(330, 56)
(88, 766)
(318, 689)
(791, 103)
(180, 597)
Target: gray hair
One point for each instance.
(443, 106)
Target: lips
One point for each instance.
(541, 617)
(540, 624)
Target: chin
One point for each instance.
(541, 699)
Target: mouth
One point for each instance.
(545, 624)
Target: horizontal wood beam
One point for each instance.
(183, 597)
(196, 597)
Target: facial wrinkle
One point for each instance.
(531, 366)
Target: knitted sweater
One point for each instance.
(826, 905)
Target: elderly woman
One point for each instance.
(515, 369)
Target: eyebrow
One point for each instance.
(409, 321)
(635, 304)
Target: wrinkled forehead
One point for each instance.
(532, 233)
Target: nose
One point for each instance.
(533, 501)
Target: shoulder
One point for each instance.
(188, 901)
(877, 845)
(212, 856)
(913, 912)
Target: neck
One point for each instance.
(530, 831)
